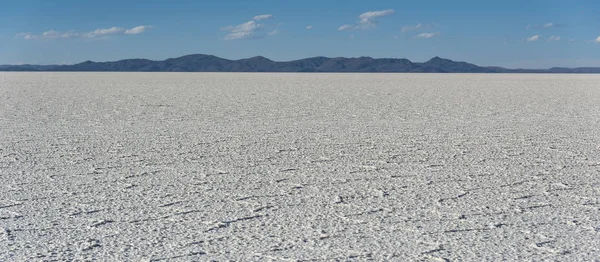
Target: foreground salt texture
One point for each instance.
(170, 166)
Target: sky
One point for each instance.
(509, 33)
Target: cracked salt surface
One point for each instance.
(186, 166)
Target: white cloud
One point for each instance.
(544, 26)
(262, 17)
(250, 29)
(53, 34)
(554, 38)
(426, 35)
(344, 27)
(104, 32)
(241, 31)
(26, 36)
(533, 38)
(137, 30)
(597, 40)
(69, 35)
(367, 20)
(309, 27)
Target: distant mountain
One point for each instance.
(128, 65)
(440, 65)
(210, 63)
(26, 67)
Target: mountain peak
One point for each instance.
(194, 56)
(259, 58)
(438, 59)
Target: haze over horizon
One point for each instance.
(513, 34)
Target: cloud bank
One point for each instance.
(100, 32)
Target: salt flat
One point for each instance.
(226, 166)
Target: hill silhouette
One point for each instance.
(210, 63)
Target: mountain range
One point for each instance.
(210, 63)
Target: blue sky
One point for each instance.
(511, 33)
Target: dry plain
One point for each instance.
(315, 167)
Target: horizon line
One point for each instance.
(286, 61)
